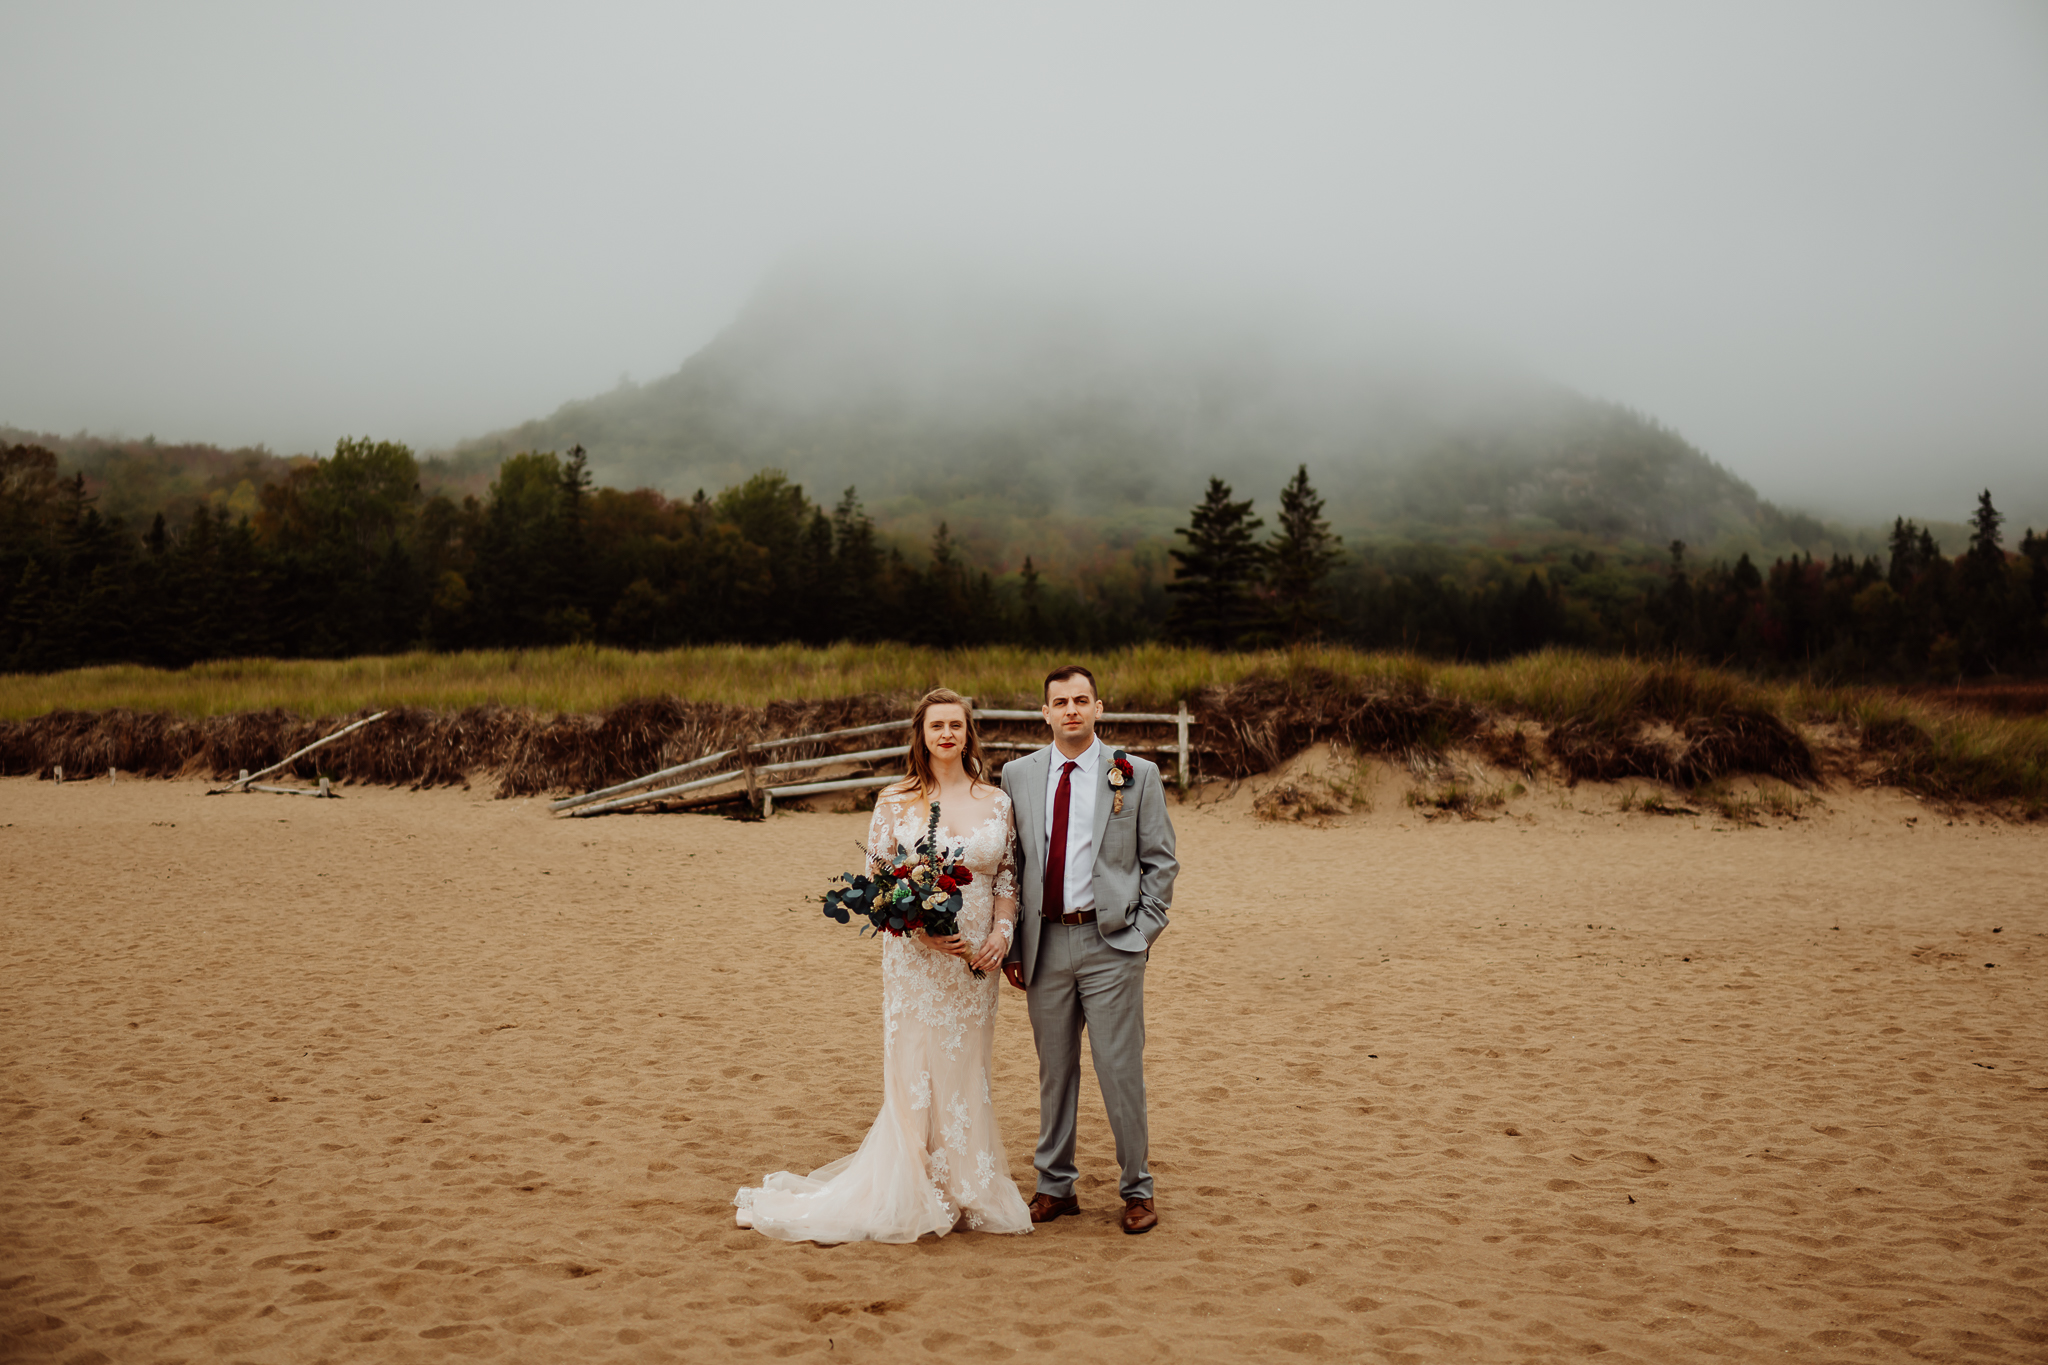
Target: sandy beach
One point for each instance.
(411, 1075)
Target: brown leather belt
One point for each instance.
(1073, 917)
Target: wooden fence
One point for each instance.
(663, 785)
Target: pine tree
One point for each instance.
(1994, 626)
(574, 615)
(857, 571)
(817, 609)
(528, 562)
(1034, 611)
(944, 614)
(1301, 552)
(1218, 572)
(1905, 548)
(1984, 536)
(1679, 609)
(2035, 548)
(21, 630)
(1534, 618)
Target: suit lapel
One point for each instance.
(1104, 797)
(1031, 823)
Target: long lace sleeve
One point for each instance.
(1004, 885)
(882, 830)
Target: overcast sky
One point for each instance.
(1811, 237)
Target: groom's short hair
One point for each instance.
(1072, 671)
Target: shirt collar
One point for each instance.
(1085, 764)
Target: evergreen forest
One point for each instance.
(348, 555)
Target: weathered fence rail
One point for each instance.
(661, 785)
(247, 781)
(642, 789)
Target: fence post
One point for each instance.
(60, 773)
(1181, 725)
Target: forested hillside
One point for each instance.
(1038, 429)
(847, 465)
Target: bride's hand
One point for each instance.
(993, 948)
(951, 944)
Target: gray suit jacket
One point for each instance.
(1134, 862)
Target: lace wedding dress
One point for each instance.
(933, 1161)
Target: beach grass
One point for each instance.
(586, 679)
(578, 679)
(1923, 744)
(583, 679)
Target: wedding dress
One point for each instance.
(933, 1161)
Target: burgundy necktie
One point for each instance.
(1056, 853)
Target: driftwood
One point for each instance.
(326, 789)
(242, 783)
(635, 784)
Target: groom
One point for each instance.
(1096, 865)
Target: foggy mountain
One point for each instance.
(995, 410)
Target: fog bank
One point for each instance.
(1806, 238)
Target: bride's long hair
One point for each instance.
(922, 780)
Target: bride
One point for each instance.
(933, 1161)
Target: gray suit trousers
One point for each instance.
(1080, 981)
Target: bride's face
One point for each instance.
(945, 731)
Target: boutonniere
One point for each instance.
(1120, 772)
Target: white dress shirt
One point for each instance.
(1080, 888)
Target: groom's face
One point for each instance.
(1071, 709)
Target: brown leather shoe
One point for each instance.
(1138, 1216)
(1046, 1207)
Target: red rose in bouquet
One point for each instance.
(921, 892)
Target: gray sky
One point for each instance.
(1811, 237)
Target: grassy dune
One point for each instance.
(1915, 741)
(1552, 686)
(588, 680)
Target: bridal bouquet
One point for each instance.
(918, 889)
